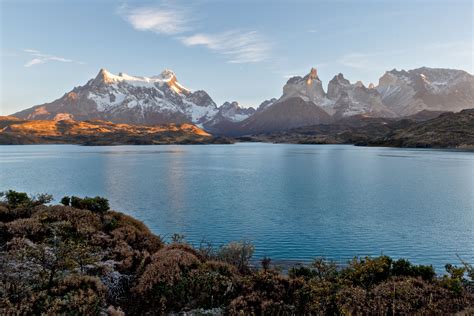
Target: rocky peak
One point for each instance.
(167, 75)
(309, 88)
(313, 75)
(265, 104)
(104, 76)
(337, 85)
(230, 105)
(359, 84)
(201, 98)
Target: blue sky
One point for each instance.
(235, 50)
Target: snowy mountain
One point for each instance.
(232, 111)
(162, 99)
(434, 89)
(227, 116)
(129, 99)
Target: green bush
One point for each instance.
(66, 201)
(96, 204)
(15, 199)
(403, 267)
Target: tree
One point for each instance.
(66, 200)
(15, 199)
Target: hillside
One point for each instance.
(447, 130)
(15, 131)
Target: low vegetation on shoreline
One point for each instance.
(83, 258)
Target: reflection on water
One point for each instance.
(293, 201)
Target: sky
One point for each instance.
(241, 51)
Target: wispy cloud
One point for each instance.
(163, 20)
(356, 60)
(39, 58)
(239, 47)
(236, 45)
(372, 60)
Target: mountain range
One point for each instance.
(162, 99)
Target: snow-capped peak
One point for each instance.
(166, 77)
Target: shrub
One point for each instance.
(368, 271)
(263, 293)
(85, 295)
(15, 199)
(96, 204)
(403, 267)
(166, 284)
(66, 201)
(237, 254)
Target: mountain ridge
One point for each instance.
(162, 99)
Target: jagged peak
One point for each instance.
(309, 78)
(104, 76)
(233, 104)
(359, 84)
(339, 79)
(313, 75)
(167, 75)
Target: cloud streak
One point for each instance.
(39, 58)
(235, 45)
(159, 19)
(239, 47)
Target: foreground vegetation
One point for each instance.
(82, 258)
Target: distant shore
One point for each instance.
(446, 131)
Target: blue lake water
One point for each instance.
(294, 202)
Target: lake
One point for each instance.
(294, 202)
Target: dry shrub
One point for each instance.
(167, 267)
(81, 222)
(266, 293)
(29, 228)
(213, 284)
(316, 296)
(11, 214)
(165, 285)
(132, 231)
(412, 295)
(85, 295)
(352, 300)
